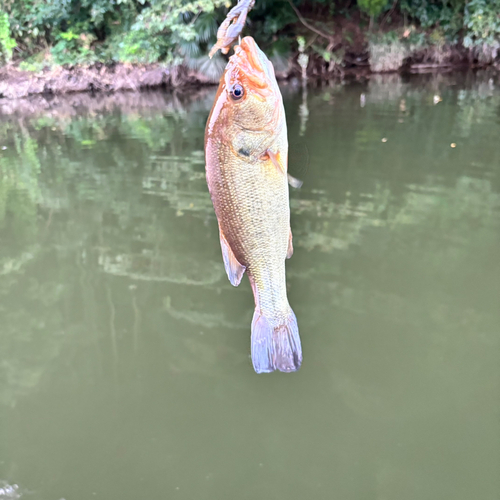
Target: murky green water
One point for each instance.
(125, 369)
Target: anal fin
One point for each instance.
(234, 269)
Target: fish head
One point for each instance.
(248, 106)
(251, 87)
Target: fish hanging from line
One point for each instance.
(246, 150)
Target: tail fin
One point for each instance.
(275, 347)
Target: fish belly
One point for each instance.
(252, 207)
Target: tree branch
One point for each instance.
(309, 26)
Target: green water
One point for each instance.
(125, 369)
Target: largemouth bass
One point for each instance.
(246, 151)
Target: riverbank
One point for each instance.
(67, 47)
(373, 87)
(351, 53)
(16, 83)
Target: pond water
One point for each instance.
(125, 369)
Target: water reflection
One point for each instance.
(9, 491)
(125, 352)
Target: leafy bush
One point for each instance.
(482, 20)
(174, 31)
(165, 25)
(37, 62)
(372, 7)
(125, 30)
(478, 19)
(447, 14)
(73, 48)
(6, 42)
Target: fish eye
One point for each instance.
(236, 92)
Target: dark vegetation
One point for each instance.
(331, 36)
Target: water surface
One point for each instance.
(125, 369)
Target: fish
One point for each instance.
(246, 153)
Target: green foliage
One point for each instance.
(82, 31)
(136, 46)
(482, 20)
(372, 7)
(73, 48)
(477, 20)
(37, 62)
(181, 31)
(6, 42)
(446, 13)
(162, 26)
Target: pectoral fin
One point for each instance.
(276, 159)
(289, 253)
(295, 183)
(234, 269)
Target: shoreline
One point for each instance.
(323, 43)
(52, 106)
(100, 78)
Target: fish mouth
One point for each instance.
(247, 64)
(251, 50)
